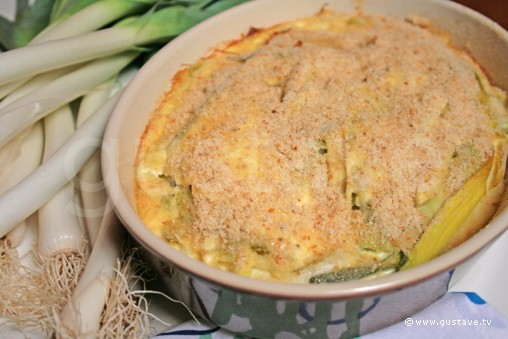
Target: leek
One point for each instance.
(11, 86)
(453, 217)
(30, 18)
(52, 175)
(91, 186)
(79, 56)
(60, 239)
(104, 303)
(35, 105)
(34, 83)
(86, 17)
(129, 34)
(81, 17)
(81, 317)
(19, 158)
(60, 209)
(386, 266)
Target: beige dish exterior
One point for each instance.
(261, 308)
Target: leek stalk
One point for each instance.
(22, 200)
(87, 17)
(37, 104)
(129, 34)
(19, 158)
(91, 187)
(60, 209)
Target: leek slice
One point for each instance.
(389, 265)
(454, 216)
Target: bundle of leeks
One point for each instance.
(62, 68)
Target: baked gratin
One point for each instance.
(329, 148)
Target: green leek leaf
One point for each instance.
(6, 28)
(30, 20)
(65, 8)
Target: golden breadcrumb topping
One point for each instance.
(314, 139)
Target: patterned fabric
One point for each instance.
(458, 314)
(455, 315)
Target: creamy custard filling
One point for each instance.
(328, 144)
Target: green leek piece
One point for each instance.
(392, 263)
(345, 274)
(455, 212)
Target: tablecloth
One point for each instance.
(455, 315)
